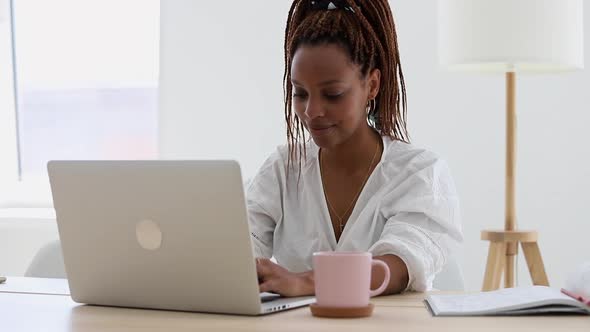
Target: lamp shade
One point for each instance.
(511, 35)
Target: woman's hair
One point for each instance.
(366, 31)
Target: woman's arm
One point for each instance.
(277, 279)
(398, 272)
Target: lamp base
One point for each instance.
(503, 245)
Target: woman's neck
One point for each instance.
(355, 154)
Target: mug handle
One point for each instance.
(385, 281)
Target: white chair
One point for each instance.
(451, 277)
(48, 262)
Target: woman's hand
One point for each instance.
(275, 278)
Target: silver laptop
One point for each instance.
(159, 234)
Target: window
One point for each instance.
(84, 82)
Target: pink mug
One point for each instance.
(343, 279)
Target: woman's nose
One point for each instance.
(314, 108)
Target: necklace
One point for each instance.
(342, 222)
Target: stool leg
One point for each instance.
(494, 266)
(511, 252)
(509, 271)
(535, 263)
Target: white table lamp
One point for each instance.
(511, 36)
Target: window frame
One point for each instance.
(8, 121)
(14, 192)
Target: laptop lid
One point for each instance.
(156, 234)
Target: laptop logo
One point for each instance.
(148, 234)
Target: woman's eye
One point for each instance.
(329, 96)
(298, 94)
(333, 96)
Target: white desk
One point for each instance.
(35, 286)
(41, 312)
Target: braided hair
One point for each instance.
(366, 31)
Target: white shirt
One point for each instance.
(408, 208)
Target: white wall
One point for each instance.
(229, 105)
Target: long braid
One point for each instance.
(295, 131)
(368, 33)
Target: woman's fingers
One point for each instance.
(267, 286)
(274, 278)
(267, 277)
(263, 268)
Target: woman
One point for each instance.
(357, 185)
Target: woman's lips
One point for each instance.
(320, 131)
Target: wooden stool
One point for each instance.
(501, 256)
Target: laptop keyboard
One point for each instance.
(267, 297)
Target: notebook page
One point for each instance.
(499, 301)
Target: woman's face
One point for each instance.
(329, 93)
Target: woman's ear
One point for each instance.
(374, 83)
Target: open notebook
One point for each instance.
(509, 301)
